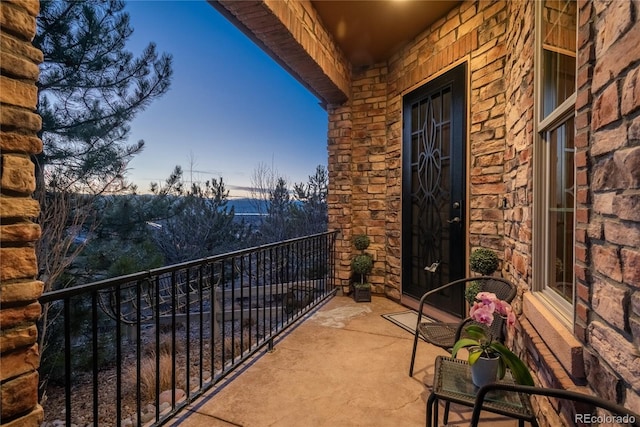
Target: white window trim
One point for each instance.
(563, 310)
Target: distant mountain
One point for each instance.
(243, 205)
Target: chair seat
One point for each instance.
(445, 334)
(439, 334)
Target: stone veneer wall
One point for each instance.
(608, 220)
(497, 39)
(518, 213)
(518, 155)
(608, 197)
(339, 191)
(365, 137)
(293, 34)
(19, 291)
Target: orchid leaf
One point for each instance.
(519, 370)
(476, 332)
(474, 356)
(462, 343)
(502, 369)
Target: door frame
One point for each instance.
(405, 299)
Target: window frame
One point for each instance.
(560, 307)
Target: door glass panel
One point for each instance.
(446, 137)
(437, 109)
(429, 192)
(415, 147)
(446, 106)
(415, 119)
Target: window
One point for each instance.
(554, 183)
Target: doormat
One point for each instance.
(407, 320)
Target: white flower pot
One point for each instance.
(484, 371)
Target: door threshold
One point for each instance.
(429, 310)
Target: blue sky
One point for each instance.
(230, 106)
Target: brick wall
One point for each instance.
(518, 164)
(476, 31)
(608, 196)
(19, 292)
(293, 34)
(339, 191)
(497, 39)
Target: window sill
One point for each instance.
(564, 346)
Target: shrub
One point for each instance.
(235, 347)
(148, 375)
(166, 345)
(361, 242)
(362, 264)
(483, 261)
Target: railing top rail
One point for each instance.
(142, 275)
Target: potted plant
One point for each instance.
(488, 358)
(361, 265)
(484, 261)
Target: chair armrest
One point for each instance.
(461, 327)
(431, 292)
(448, 285)
(631, 417)
(434, 291)
(462, 281)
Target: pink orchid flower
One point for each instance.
(511, 318)
(486, 297)
(502, 307)
(482, 313)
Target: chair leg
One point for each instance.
(430, 402)
(413, 353)
(446, 412)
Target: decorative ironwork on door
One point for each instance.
(430, 196)
(433, 186)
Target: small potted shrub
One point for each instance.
(484, 261)
(361, 265)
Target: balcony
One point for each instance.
(256, 337)
(342, 365)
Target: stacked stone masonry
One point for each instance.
(19, 291)
(291, 31)
(496, 40)
(608, 178)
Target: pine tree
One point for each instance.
(199, 222)
(90, 89)
(310, 215)
(276, 225)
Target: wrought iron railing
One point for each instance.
(118, 351)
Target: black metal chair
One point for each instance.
(585, 413)
(444, 334)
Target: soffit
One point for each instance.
(370, 31)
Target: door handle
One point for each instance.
(433, 267)
(454, 220)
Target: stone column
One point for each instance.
(19, 291)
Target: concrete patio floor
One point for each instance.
(344, 365)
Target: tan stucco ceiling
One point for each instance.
(370, 31)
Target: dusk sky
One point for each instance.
(230, 106)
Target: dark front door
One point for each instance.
(433, 192)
